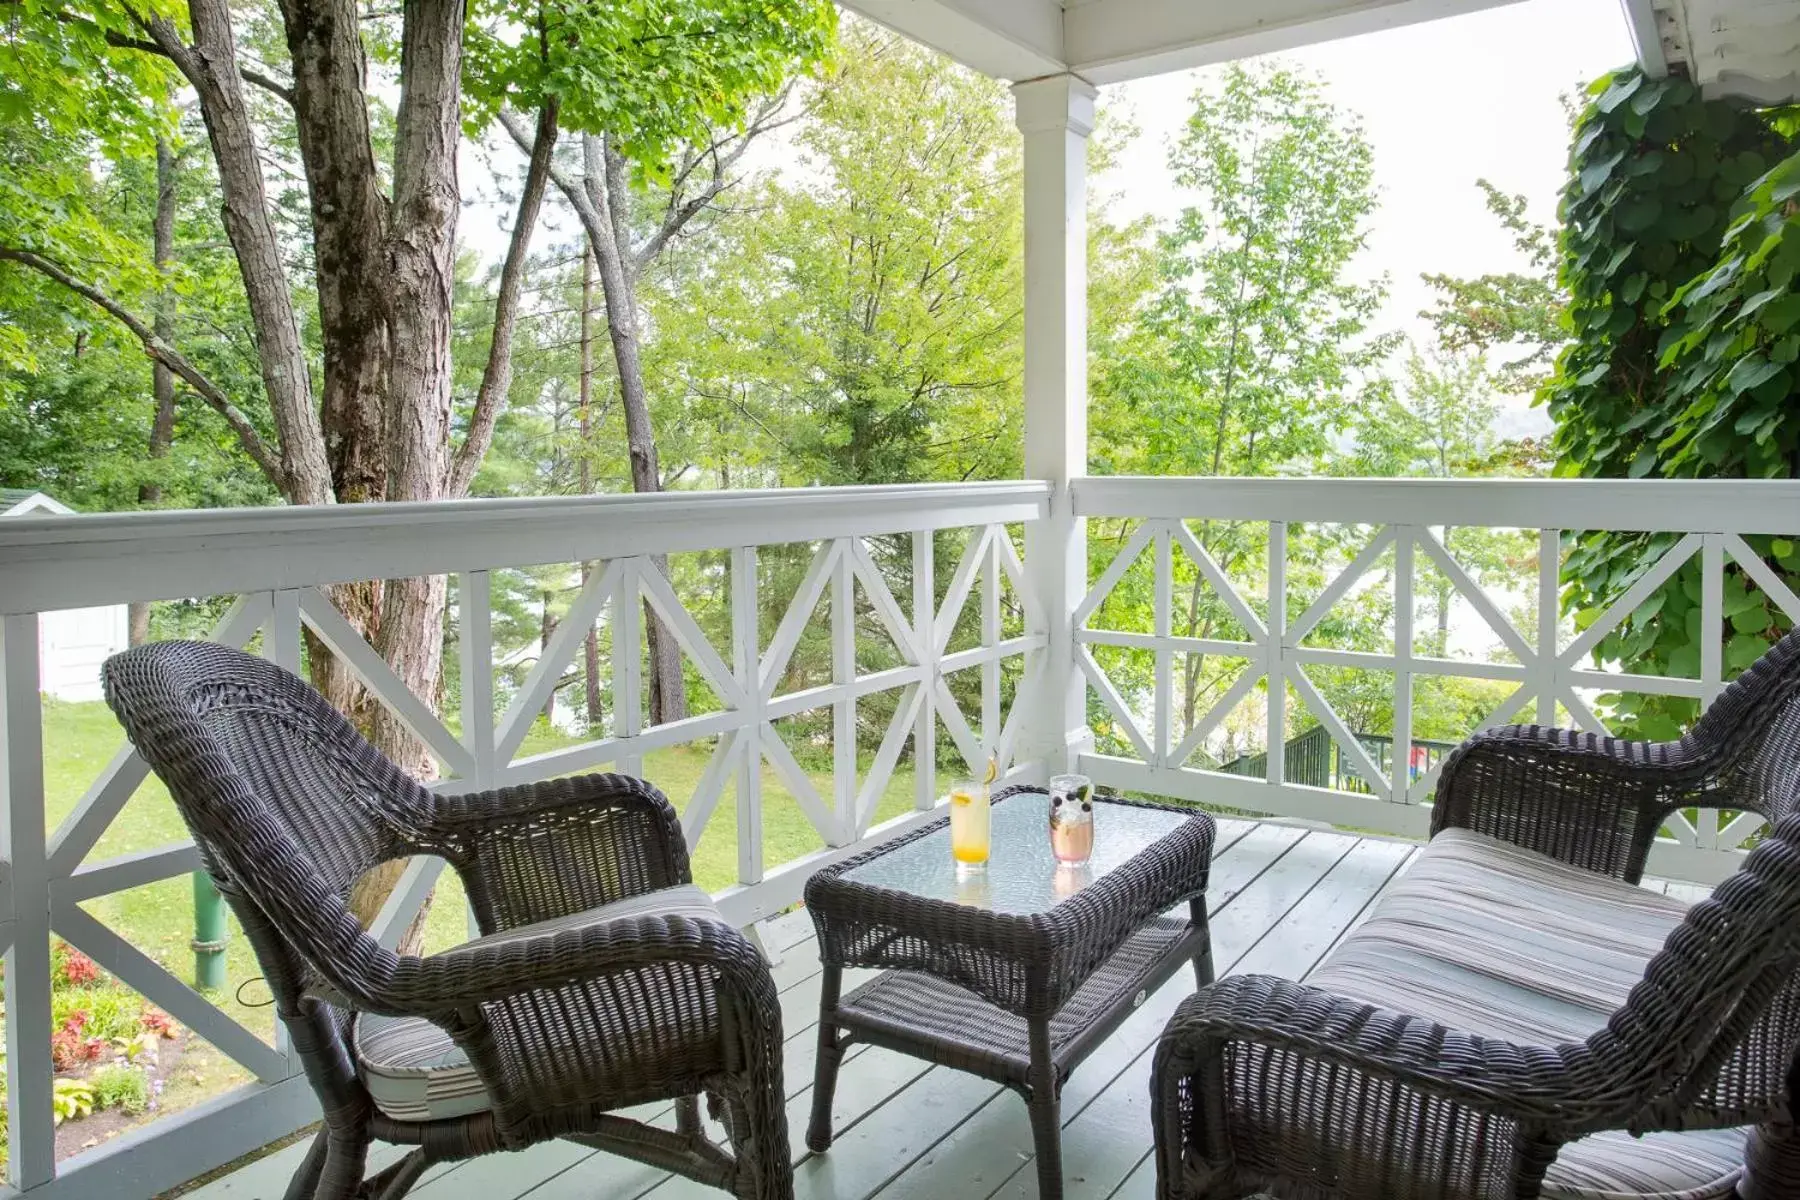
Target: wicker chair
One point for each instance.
(603, 978)
(1515, 1018)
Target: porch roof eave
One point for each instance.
(1748, 49)
(1111, 41)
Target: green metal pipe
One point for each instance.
(209, 934)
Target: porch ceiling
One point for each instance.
(1748, 48)
(1109, 41)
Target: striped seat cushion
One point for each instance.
(412, 1068)
(1483, 936)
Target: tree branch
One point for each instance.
(268, 83)
(680, 211)
(496, 378)
(163, 353)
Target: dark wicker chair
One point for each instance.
(602, 979)
(1515, 1018)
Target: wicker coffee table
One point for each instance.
(1016, 973)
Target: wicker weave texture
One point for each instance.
(290, 806)
(1264, 1084)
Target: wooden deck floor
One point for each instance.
(1281, 896)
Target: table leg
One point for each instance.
(1203, 962)
(1046, 1114)
(831, 1053)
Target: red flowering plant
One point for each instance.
(69, 1045)
(71, 967)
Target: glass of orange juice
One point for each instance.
(970, 831)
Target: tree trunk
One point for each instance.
(162, 380)
(585, 466)
(420, 255)
(211, 65)
(349, 223)
(668, 688)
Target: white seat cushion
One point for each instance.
(1488, 938)
(412, 1068)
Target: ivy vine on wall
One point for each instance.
(1679, 254)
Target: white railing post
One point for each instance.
(475, 648)
(30, 1132)
(843, 711)
(924, 599)
(746, 660)
(1276, 665)
(1055, 116)
(1546, 671)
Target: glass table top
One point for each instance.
(1022, 876)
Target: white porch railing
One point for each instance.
(1548, 669)
(276, 562)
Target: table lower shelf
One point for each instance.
(927, 1017)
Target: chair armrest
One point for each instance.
(595, 1011)
(518, 961)
(540, 851)
(1544, 1085)
(1593, 802)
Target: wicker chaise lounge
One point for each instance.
(603, 979)
(1514, 1010)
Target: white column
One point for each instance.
(1055, 114)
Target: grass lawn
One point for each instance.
(80, 739)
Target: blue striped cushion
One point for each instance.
(412, 1068)
(1483, 936)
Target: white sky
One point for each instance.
(1443, 104)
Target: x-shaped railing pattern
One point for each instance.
(747, 680)
(1547, 672)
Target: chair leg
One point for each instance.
(399, 1179)
(825, 1069)
(1044, 1100)
(342, 1175)
(765, 1168)
(687, 1116)
(305, 1183)
(1046, 1139)
(1771, 1164)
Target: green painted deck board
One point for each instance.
(1280, 896)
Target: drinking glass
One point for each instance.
(1071, 818)
(970, 830)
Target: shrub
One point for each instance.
(120, 1087)
(72, 1045)
(108, 1010)
(71, 967)
(156, 1021)
(72, 1100)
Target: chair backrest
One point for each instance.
(1753, 731)
(1716, 1020)
(289, 805)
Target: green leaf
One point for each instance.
(1742, 650)
(1622, 89)
(1750, 372)
(1751, 620)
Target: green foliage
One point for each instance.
(1732, 341)
(1256, 344)
(874, 298)
(71, 1100)
(1680, 363)
(113, 1011)
(1518, 315)
(1653, 176)
(1252, 353)
(120, 1087)
(651, 74)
